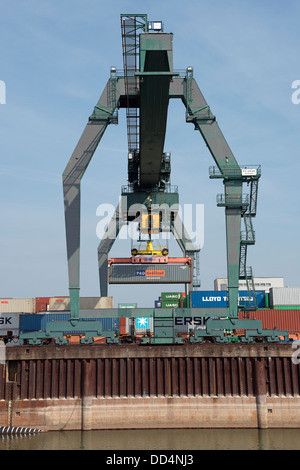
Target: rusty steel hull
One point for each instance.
(183, 386)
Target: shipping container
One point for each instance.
(282, 319)
(63, 303)
(17, 305)
(170, 296)
(211, 299)
(9, 325)
(157, 304)
(122, 326)
(39, 321)
(267, 302)
(170, 304)
(150, 274)
(245, 301)
(281, 296)
(287, 307)
(41, 304)
(219, 299)
(139, 325)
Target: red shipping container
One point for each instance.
(122, 326)
(282, 319)
(41, 304)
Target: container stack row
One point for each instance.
(46, 304)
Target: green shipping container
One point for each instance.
(287, 307)
(267, 299)
(170, 304)
(170, 296)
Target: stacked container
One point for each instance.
(285, 298)
(63, 303)
(173, 300)
(9, 324)
(39, 321)
(287, 319)
(123, 321)
(219, 299)
(41, 304)
(17, 305)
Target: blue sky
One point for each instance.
(55, 62)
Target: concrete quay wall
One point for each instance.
(157, 386)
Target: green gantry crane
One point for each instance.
(144, 88)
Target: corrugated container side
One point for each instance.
(110, 324)
(63, 303)
(59, 303)
(282, 319)
(38, 322)
(260, 298)
(287, 307)
(17, 305)
(284, 296)
(150, 274)
(96, 302)
(41, 304)
(122, 325)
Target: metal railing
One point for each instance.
(233, 200)
(247, 171)
(127, 189)
(248, 237)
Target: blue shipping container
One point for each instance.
(219, 299)
(37, 322)
(260, 298)
(157, 304)
(209, 299)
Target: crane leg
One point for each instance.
(111, 234)
(198, 112)
(74, 171)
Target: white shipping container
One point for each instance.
(63, 303)
(17, 305)
(281, 296)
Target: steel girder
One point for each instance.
(198, 112)
(102, 115)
